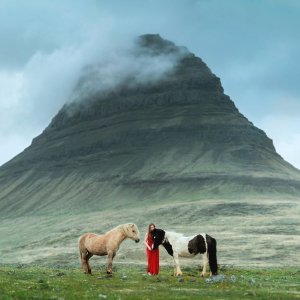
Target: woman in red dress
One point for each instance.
(153, 255)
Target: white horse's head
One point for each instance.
(132, 232)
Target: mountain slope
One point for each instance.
(176, 138)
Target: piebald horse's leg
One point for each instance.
(177, 269)
(205, 263)
(111, 254)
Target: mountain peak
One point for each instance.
(174, 137)
(157, 44)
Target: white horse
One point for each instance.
(107, 244)
(177, 245)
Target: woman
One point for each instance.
(153, 255)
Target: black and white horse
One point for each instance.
(177, 244)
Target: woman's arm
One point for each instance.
(145, 242)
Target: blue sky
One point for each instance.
(252, 45)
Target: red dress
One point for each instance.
(153, 257)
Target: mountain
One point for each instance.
(177, 137)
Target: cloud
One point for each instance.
(34, 88)
(39, 90)
(131, 64)
(37, 84)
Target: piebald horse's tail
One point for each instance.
(212, 254)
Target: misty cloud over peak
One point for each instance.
(144, 60)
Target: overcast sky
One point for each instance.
(252, 45)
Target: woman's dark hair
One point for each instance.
(149, 231)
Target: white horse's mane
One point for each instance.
(121, 226)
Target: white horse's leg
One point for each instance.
(83, 256)
(205, 263)
(89, 255)
(111, 256)
(176, 264)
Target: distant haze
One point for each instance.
(253, 46)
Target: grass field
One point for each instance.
(131, 282)
(256, 241)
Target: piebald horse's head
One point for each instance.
(160, 238)
(132, 232)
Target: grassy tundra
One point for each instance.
(42, 262)
(131, 282)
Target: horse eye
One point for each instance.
(133, 231)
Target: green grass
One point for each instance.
(131, 282)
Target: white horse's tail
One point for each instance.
(212, 254)
(80, 249)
